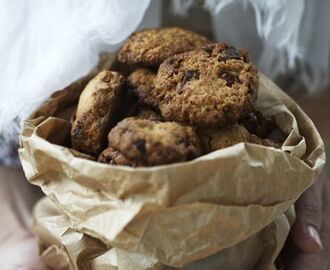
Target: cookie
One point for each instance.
(153, 142)
(141, 81)
(113, 156)
(147, 113)
(96, 111)
(215, 139)
(151, 47)
(209, 87)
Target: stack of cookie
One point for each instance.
(183, 96)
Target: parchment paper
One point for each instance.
(176, 214)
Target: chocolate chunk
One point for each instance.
(251, 122)
(207, 49)
(188, 75)
(228, 77)
(258, 124)
(141, 146)
(229, 53)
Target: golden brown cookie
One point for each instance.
(215, 139)
(141, 81)
(210, 86)
(153, 142)
(113, 156)
(147, 113)
(96, 112)
(151, 47)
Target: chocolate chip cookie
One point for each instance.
(215, 139)
(210, 86)
(96, 111)
(113, 156)
(141, 81)
(151, 47)
(153, 142)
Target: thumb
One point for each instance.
(306, 229)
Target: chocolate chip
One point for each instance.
(141, 146)
(229, 53)
(207, 49)
(188, 75)
(229, 78)
(251, 122)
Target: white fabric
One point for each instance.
(45, 45)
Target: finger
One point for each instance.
(306, 229)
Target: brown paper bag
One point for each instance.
(63, 248)
(180, 213)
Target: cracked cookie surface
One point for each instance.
(152, 46)
(210, 86)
